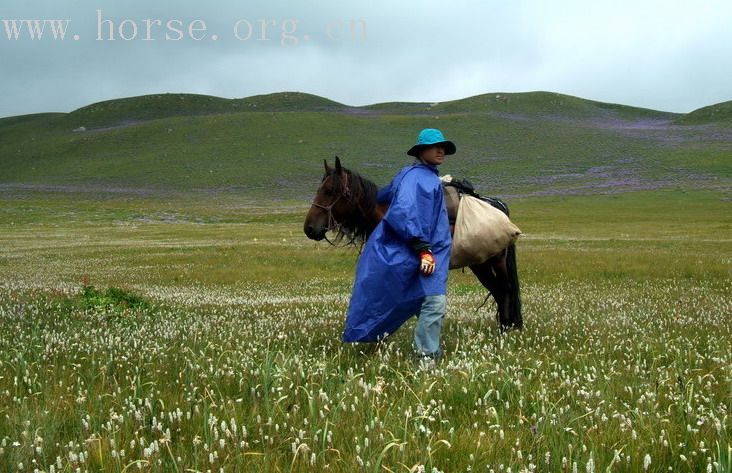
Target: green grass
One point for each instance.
(234, 360)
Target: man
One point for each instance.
(403, 268)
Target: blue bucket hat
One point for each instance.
(430, 137)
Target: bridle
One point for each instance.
(333, 224)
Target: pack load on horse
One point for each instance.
(346, 204)
(482, 228)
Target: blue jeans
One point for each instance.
(429, 326)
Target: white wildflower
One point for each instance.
(646, 462)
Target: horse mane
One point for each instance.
(358, 226)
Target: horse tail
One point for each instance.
(515, 318)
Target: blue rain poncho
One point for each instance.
(388, 288)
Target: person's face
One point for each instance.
(434, 155)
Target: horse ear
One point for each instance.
(327, 168)
(338, 167)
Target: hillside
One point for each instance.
(273, 146)
(152, 107)
(546, 104)
(718, 113)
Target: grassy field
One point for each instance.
(231, 360)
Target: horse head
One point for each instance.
(333, 205)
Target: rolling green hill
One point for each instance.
(529, 104)
(152, 107)
(273, 146)
(545, 103)
(718, 113)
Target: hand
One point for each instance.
(426, 263)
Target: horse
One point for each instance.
(345, 203)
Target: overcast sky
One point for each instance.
(666, 55)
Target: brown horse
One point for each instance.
(345, 203)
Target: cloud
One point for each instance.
(650, 53)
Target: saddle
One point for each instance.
(454, 189)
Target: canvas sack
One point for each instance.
(481, 231)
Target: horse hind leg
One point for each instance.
(487, 277)
(507, 274)
(499, 275)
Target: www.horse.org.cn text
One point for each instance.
(286, 32)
